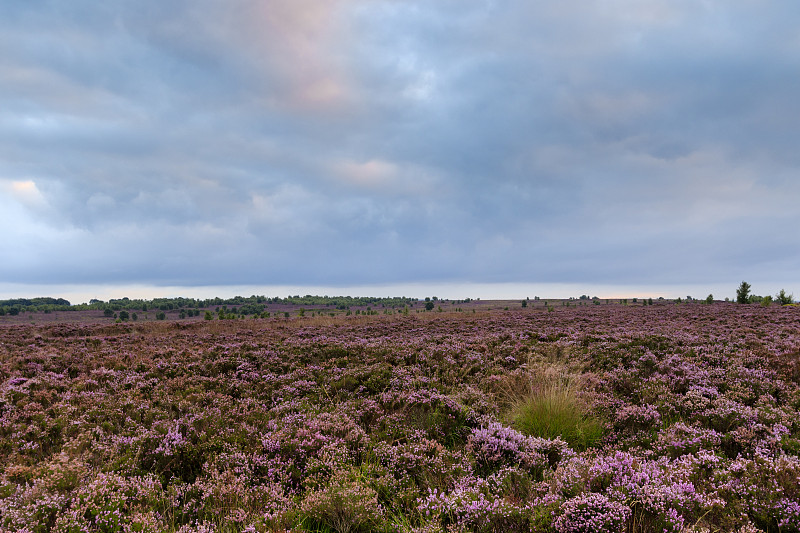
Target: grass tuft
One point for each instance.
(552, 409)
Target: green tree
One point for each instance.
(784, 299)
(108, 312)
(123, 315)
(428, 306)
(209, 316)
(743, 293)
(161, 315)
(710, 299)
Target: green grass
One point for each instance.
(553, 410)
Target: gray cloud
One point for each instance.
(355, 141)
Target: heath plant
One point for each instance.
(587, 418)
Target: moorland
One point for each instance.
(567, 416)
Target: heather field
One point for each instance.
(667, 417)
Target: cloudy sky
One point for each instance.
(333, 144)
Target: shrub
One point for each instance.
(161, 315)
(784, 299)
(497, 446)
(345, 505)
(591, 512)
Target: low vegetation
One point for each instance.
(549, 418)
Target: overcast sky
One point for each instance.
(406, 143)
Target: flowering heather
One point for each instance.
(401, 423)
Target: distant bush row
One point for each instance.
(251, 304)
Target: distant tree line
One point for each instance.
(32, 305)
(743, 296)
(238, 304)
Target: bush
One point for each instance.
(592, 512)
(345, 505)
(161, 315)
(784, 299)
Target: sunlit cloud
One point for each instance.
(25, 192)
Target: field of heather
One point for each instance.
(577, 419)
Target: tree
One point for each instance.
(710, 299)
(743, 293)
(428, 305)
(123, 315)
(108, 312)
(161, 315)
(784, 299)
(208, 316)
(524, 303)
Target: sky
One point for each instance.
(481, 148)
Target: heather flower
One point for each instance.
(276, 424)
(681, 438)
(591, 513)
(637, 417)
(344, 505)
(497, 445)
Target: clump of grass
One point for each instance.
(551, 408)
